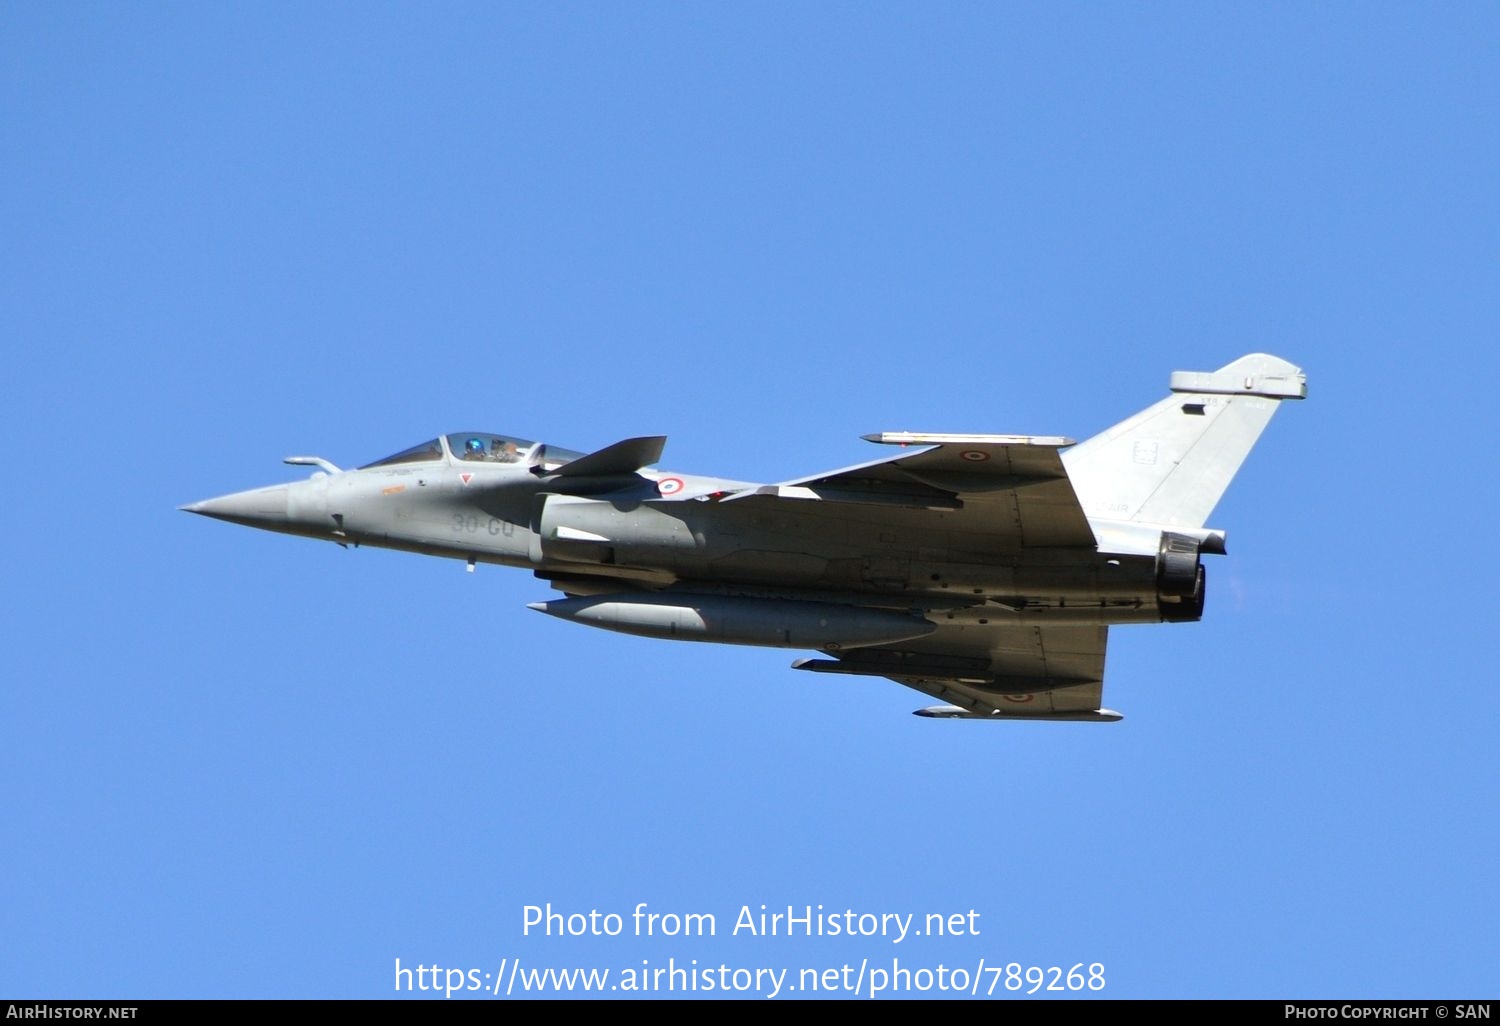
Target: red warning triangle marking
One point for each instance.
(465, 478)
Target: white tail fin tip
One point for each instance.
(1256, 374)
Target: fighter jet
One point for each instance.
(982, 570)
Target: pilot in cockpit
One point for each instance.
(502, 451)
(474, 449)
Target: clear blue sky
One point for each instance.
(242, 764)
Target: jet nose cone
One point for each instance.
(259, 507)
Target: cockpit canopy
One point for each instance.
(476, 447)
(427, 452)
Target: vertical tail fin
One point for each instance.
(1170, 463)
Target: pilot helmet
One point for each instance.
(475, 446)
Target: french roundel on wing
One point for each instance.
(668, 486)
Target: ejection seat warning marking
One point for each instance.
(669, 485)
(466, 478)
(974, 455)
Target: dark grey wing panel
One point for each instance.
(1016, 491)
(992, 670)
